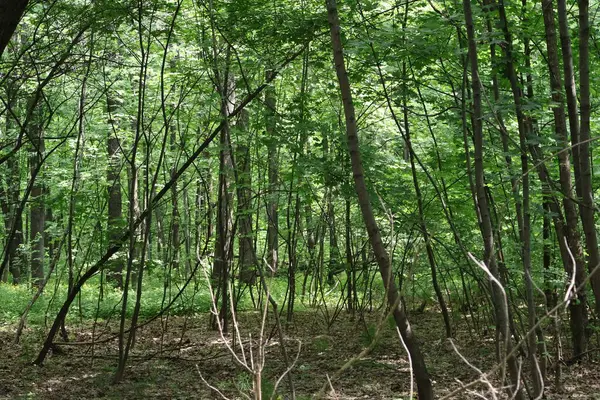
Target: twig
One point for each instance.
(211, 386)
(410, 365)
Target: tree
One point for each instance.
(383, 260)
(11, 12)
(37, 213)
(115, 202)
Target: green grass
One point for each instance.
(89, 304)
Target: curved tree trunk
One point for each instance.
(11, 12)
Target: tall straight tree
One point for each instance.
(10, 198)
(224, 226)
(587, 206)
(577, 307)
(525, 127)
(244, 194)
(174, 231)
(115, 203)
(424, 386)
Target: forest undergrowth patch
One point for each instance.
(169, 353)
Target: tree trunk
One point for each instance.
(273, 176)
(37, 213)
(587, 206)
(525, 127)
(224, 227)
(489, 258)
(424, 386)
(570, 89)
(350, 270)
(174, 231)
(423, 228)
(10, 200)
(11, 12)
(578, 306)
(115, 206)
(244, 207)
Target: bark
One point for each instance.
(207, 198)
(570, 89)
(549, 288)
(350, 270)
(134, 211)
(587, 206)
(187, 232)
(37, 213)
(224, 226)
(334, 251)
(248, 262)
(76, 176)
(11, 12)
(174, 231)
(424, 386)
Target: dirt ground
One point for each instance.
(178, 358)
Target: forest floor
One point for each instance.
(172, 363)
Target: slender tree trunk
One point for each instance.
(10, 200)
(578, 306)
(570, 89)
(273, 175)
(587, 206)
(423, 228)
(420, 370)
(489, 258)
(11, 12)
(208, 199)
(224, 227)
(174, 231)
(532, 132)
(115, 204)
(422, 223)
(334, 251)
(350, 270)
(293, 197)
(248, 262)
(37, 213)
(134, 209)
(525, 127)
